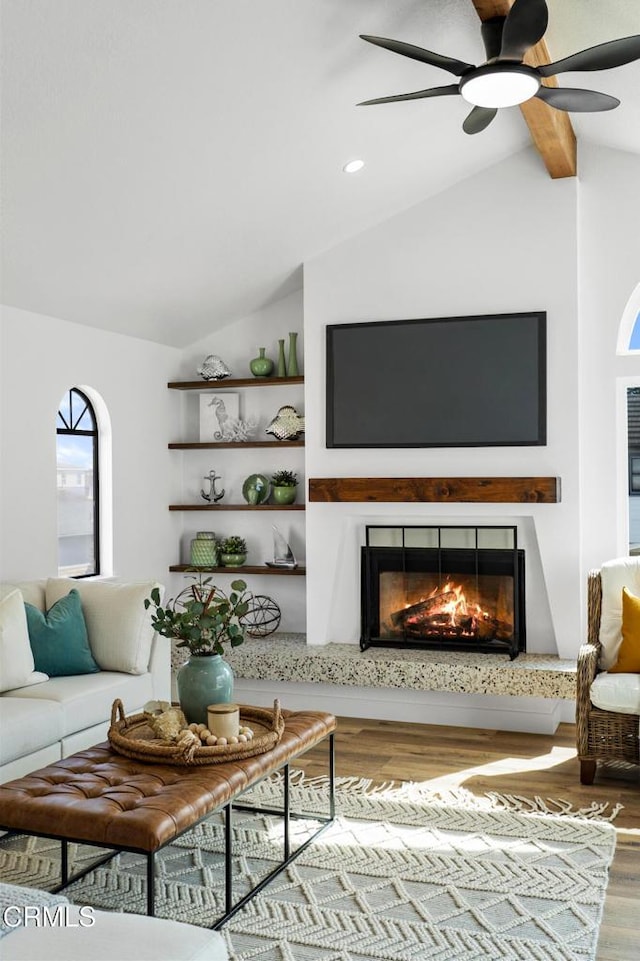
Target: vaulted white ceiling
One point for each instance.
(168, 165)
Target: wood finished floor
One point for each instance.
(529, 765)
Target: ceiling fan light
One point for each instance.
(353, 166)
(500, 86)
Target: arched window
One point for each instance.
(78, 486)
(629, 328)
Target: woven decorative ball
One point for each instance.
(263, 616)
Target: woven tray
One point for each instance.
(132, 737)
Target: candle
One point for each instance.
(224, 720)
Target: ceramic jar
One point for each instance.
(204, 551)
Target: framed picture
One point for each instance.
(217, 413)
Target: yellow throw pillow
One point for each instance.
(629, 653)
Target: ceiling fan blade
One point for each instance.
(456, 67)
(491, 31)
(525, 24)
(579, 101)
(615, 53)
(416, 95)
(478, 119)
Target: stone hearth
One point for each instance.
(533, 693)
(287, 657)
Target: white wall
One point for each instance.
(504, 240)
(237, 344)
(609, 261)
(40, 359)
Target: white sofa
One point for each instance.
(66, 932)
(45, 719)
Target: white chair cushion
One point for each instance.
(16, 657)
(616, 574)
(617, 692)
(119, 627)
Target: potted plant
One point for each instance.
(203, 619)
(284, 485)
(233, 551)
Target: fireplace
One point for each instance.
(443, 588)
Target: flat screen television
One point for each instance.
(439, 382)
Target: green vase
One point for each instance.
(282, 364)
(292, 362)
(203, 680)
(261, 366)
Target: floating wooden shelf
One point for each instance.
(229, 383)
(478, 490)
(237, 507)
(238, 571)
(234, 445)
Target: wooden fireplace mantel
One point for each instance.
(477, 490)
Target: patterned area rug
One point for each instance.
(401, 876)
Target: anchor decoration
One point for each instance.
(212, 495)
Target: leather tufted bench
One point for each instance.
(99, 797)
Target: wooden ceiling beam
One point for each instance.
(551, 130)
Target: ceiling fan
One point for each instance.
(504, 80)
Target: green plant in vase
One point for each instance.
(284, 487)
(233, 551)
(203, 619)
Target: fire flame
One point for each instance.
(457, 607)
(454, 607)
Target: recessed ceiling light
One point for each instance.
(353, 166)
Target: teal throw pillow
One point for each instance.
(59, 638)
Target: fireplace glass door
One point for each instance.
(441, 597)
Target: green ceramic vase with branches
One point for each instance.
(203, 619)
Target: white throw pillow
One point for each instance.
(16, 657)
(617, 692)
(119, 627)
(616, 574)
(15, 897)
(32, 591)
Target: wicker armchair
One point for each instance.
(601, 735)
